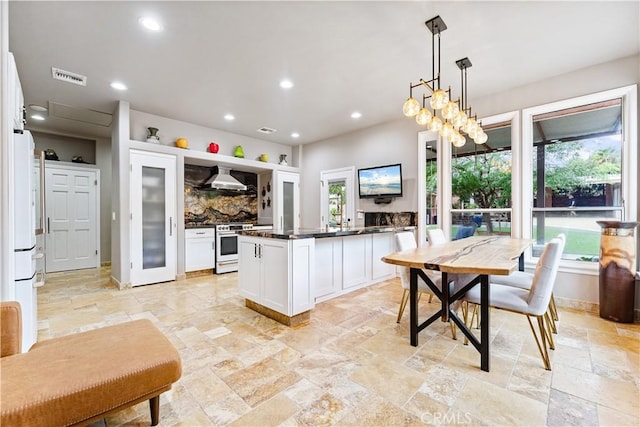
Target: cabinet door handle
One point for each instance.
(48, 225)
(260, 251)
(170, 226)
(255, 250)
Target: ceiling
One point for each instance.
(214, 58)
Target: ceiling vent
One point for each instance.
(68, 76)
(266, 130)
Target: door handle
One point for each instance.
(48, 225)
(170, 226)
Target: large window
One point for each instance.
(574, 162)
(582, 169)
(481, 184)
(577, 165)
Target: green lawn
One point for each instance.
(580, 243)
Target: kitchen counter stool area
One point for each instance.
(283, 274)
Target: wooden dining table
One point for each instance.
(474, 259)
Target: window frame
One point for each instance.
(628, 95)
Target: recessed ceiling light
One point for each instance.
(229, 117)
(295, 135)
(37, 117)
(286, 84)
(118, 86)
(150, 24)
(36, 107)
(356, 115)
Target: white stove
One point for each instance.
(227, 246)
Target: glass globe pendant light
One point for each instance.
(424, 117)
(411, 107)
(450, 110)
(458, 140)
(439, 99)
(447, 130)
(481, 137)
(436, 124)
(459, 120)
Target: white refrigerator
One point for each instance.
(29, 232)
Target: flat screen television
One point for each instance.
(380, 181)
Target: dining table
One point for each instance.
(470, 260)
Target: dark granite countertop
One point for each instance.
(307, 233)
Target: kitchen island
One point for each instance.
(283, 273)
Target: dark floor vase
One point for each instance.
(617, 271)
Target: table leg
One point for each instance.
(445, 297)
(413, 306)
(484, 322)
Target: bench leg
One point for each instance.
(154, 407)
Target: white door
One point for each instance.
(337, 198)
(72, 219)
(153, 218)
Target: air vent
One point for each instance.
(68, 76)
(266, 130)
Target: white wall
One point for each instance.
(397, 142)
(103, 161)
(199, 137)
(393, 142)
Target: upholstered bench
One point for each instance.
(81, 378)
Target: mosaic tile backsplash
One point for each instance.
(205, 206)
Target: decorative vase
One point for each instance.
(153, 137)
(283, 159)
(238, 152)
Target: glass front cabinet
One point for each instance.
(153, 217)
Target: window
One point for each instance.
(582, 169)
(337, 196)
(481, 185)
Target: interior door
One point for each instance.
(72, 230)
(153, 214)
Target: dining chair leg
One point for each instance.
(542, 347)
(430, 298)
(403, 304)
(552, 322)
(465, 314)
(553, 308)
(549, 321)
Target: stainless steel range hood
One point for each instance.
(222, 180)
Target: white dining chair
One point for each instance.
(405, 241)
(533, 302)
(524, 280)
(436, 236)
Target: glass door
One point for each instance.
(153, 212)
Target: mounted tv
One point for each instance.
(382, 183)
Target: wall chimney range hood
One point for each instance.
(222, 180)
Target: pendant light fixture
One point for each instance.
(448, 117)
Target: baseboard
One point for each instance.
(105, 264)
(119, 284)
(590, 307)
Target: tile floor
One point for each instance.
(352, 364)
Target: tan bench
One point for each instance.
(81, 378)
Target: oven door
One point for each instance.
(226, 252)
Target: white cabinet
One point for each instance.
(153, 217)
(344, 264)
(381, 245)
(328, 266)
(199, 249)
(16, 97)
(276, 273)
(356, 260)
(286, 211)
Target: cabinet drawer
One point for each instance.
(191, 233)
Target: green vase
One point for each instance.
(238, 152)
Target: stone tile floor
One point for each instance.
(352, 363)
